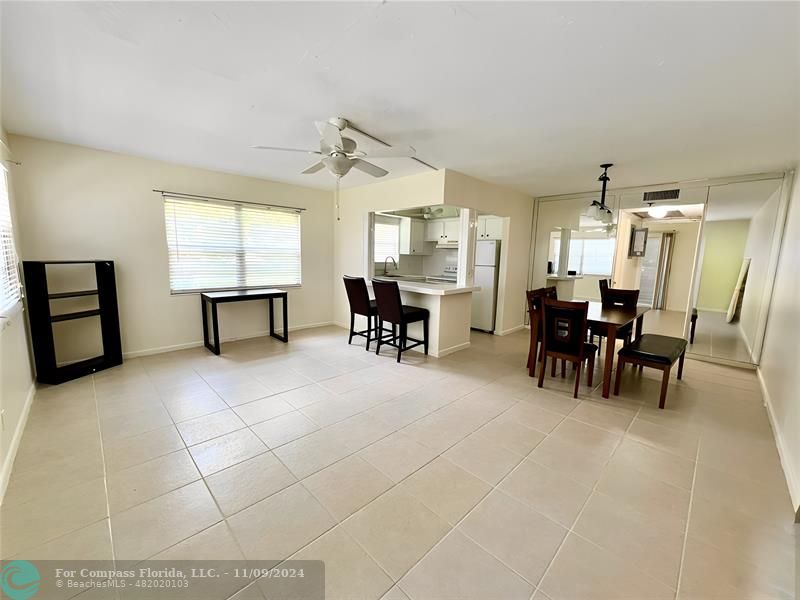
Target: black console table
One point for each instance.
(214, 298)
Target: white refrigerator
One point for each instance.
(484, 302)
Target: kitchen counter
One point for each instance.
(419, 285)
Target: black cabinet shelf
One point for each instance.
(41, 320)
(81, 314)
(77, 294)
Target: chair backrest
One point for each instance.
(357, 294)
(536, 298)
(603, 283)
(621, 298)
(565, 327)
(387, 297)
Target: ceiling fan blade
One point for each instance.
(330, 134)
(392, 152)
(286, 149)
(367, 167)
(313, 168)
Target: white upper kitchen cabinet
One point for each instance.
(452, 229)
(442, 230)
(434, 231)
(490, 228)
(412, 237)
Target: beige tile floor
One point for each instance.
(717, 338)
(431, 479)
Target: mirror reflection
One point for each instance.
(734, 264)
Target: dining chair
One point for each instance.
(565, 325)
(617, 298)
(535, 301)
(603, 283)
(360, 304)
(392, 310)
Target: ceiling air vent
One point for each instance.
(661, 195)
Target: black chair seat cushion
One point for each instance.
(655, 348)
(589, 349)
(412, 314)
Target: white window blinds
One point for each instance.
(387, 238)
(9, 275)
(587, 255)
(219, 245)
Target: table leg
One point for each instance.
(608, 363)
(215, 327)
(639, 325)
(285, 337)
(271, 317)
(205, 323)
(285, 303)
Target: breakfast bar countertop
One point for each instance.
(430, 288)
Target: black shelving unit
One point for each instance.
(41, 320)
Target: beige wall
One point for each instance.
(778, 369)
(79, 203)
(350, 230)
(758, 248)
(723, 250)
(683, 257)
(16, 373)
(627, 271)
(468, 192)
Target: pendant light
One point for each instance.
(598, 210)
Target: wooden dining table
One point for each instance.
(608, 320)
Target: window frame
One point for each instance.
(13, 306)
(240, 254)
(554, 252)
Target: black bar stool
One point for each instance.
(360, 304)
(392, 310)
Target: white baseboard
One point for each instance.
(451, 350)
(509, 331)
(199, 343)
(790, 470)
(8, 462)
(723, 311)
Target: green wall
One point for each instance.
(722, 260)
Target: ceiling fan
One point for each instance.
(339, 154)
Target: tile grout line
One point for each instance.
(397, 484)
(570, 529)
(493, 488)
(105, 474)
(688, 520)
(225, 518)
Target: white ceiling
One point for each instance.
(530, 95)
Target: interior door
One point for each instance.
(649, 268)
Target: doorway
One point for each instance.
(663, 273)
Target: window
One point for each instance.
(9, 275)
(587, 255)
(218, 245)
(387, 238)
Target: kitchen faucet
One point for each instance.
(385, 266)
